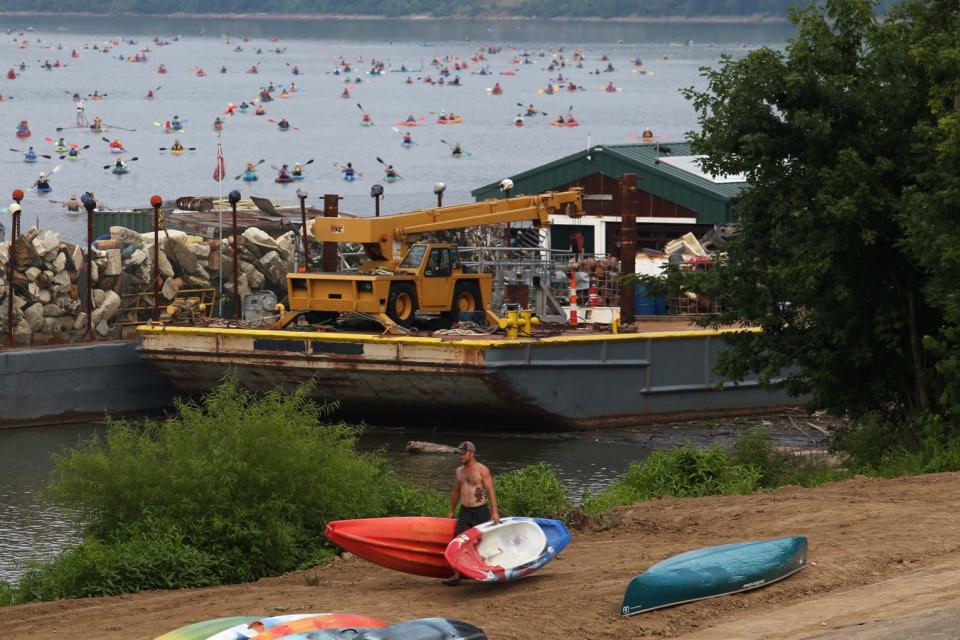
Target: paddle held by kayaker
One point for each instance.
(473, 490)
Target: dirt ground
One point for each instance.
(885, 564)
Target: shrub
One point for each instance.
(685, 472)
(232, 488)
(778, 468)
(533, 491)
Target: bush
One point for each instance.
(231, 489)
(533, 491)
(778, 468)
(686, 472)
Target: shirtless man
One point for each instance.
(470, 482)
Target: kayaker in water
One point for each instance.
(407, 138)
(349, 171)
(176, 124)
(260, 110)
(74, 152)
(391, 172)
(297, 171)
(473, 490)
(116, 144)
(62, 143)
(176, 146)
(23, 127)
(409, 80)
(223, 69)
(518, 120)
(150, 94)
(457, 150)
(42, 182)
(218, 124)
(73, 204)
(167, 126)
(97, 125)
(251, 167)
(571, 120)
(76, 97)
(610, 88)
(119, 165)
(531, 110)
(366, 117)
(647, 133)
(346, 93)
(244, 106)
(30, 155)
(283, 124)
(496, 89)
(284, 173)
(559, 119)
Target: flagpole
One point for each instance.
(220, 225)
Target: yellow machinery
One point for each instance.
(428, 276)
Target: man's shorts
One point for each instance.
(469, 517)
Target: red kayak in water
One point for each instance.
(409, 544)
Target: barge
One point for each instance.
(577, 379)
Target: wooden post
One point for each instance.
(628, 244)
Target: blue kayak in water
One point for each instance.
(714, 571)
(349, 177)
(44, 189)
(249, 176)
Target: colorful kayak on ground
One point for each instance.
(714, 571)
(420, 629)
(324, 621)
(512, 549)
(246, 630)
(207, 628)
(409, 544)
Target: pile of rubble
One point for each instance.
(50, 281)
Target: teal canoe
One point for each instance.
(714, 571)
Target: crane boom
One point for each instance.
(386, 230)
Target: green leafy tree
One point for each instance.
(844, 137)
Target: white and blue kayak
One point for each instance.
(349, 177)
(714, 571)
(249, 176)
(514, 548)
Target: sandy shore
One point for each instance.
(885, 564)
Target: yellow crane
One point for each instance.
(401, 275)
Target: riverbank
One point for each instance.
(751, 19)
(880, 551)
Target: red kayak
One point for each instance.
(23, 134)
(408, 544)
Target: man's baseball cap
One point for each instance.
(465, 446)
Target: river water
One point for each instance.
(327, 127)
(328, 132)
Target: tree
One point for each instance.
(842, 137)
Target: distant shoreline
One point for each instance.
(754, 19)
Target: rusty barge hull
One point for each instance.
(564, 382)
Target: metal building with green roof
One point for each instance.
(675, 195)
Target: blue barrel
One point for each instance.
(648, 305)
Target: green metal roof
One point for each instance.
(712, 201)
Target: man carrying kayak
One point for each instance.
(473, 491)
